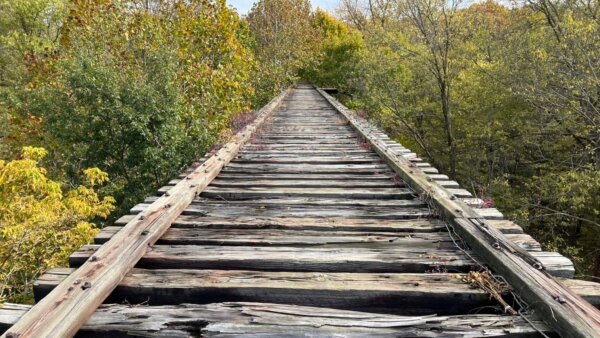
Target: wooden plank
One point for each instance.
(301, 223)
(505, 226)
(69, 305)
(568, 314)
(360, 193)
(489, 213)
(257, 237)
(448, 184)
(590, 291)
(554, 263)
(310, 160)
(264, 319)
(314, 201)
(249, 184)
(261, 258)
(404, 293)
(313, 177)
(311, 223)
(335, 168)
(302, 142)
(180, 285)
(375, 213)
(306, 170)
(253, 237)
(307, 152)
(302, 148)
(413, 258)
(460, 193)
(332, 183)
(438, 177)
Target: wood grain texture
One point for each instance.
(278, 320)
(312, 209)
(381, 293)
(430, 293)
(75, 299)
(275, 258)
(199, 236)
(570, 315)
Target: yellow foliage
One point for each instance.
(40, 224)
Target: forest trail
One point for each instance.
(310, 231)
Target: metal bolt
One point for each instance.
(86, 285)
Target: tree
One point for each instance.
(285, 41)
(29, 30)
(337, 55)
(568, 66)
(41, 223)
(138, 89)
(437, 30)
(510, 91)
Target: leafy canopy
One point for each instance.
(42, 223)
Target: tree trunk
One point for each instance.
(445, 99)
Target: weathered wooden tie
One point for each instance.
(311, 223)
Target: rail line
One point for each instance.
(311, 222)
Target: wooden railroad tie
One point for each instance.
(310, 222)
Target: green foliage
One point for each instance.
(336, 58)
(514, 89)
(124, 120)
(139, 92)
(29, 29)
(41, 224)
(138, 89)
(284, 42)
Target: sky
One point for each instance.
(243, 6)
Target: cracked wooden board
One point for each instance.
(277, 320)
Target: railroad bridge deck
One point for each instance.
(310, 230)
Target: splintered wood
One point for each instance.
(307, 231)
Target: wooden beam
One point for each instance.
(418, 257)
(564, 311)
(397, 293)
(305, 223)
(70, 304)
(277, 258)
(265, 320)
(257, 237)
(387, 292)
